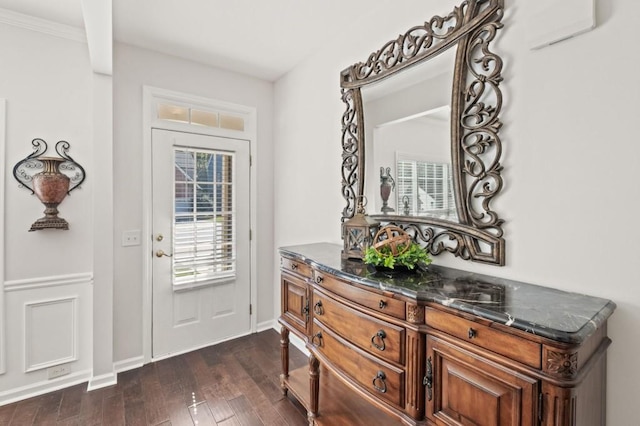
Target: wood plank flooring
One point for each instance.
(232, 383)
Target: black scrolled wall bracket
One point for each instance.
(51, 179)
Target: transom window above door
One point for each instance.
(200, 117)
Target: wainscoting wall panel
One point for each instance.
(48, 335)
(51, 333)
(3, 156)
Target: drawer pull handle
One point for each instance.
(382, 304)
(317, 339)
(294, 266)
(378, 340)
(472, 333)
(319, 279)
(317, 308)
(379, 382)
(428, 380)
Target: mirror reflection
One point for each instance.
(407, 178)
(407, 132)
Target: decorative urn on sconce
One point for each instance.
(50, 179)
(387, 184)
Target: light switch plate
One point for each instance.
(131, 238)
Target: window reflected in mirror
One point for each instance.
(409, 117)
(425, 189)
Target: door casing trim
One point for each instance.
(150, 97)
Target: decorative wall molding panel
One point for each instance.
(3, 108)
(51, 333)
(42, 25)
(52, 281)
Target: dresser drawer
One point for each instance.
(377, 337)
(379, 378)
(367, 298)
(514, 347)
(296, 267)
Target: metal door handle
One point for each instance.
(161, 253)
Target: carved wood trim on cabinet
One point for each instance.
(425, 364)
(473, 390)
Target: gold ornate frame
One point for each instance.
(476, 147)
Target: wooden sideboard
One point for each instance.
(441, 347)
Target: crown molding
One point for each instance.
(44, 26)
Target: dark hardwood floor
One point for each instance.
(232, 383)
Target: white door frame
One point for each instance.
(150, 98)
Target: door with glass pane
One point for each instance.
(201, 249)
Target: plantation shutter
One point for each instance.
(204, 240)
(406, 186)
(427, 187)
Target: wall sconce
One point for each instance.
(51, 179)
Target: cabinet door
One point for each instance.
(295, 302)
(465, 389)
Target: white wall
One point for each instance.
(388, 134)
(570, 197)
(46, 81)
(52, 93)
(134, 68)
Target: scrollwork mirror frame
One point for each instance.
(476, 147)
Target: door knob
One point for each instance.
(161, 253)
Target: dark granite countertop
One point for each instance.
(558, 315)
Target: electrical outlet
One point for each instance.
(131, 238)
(58, 370)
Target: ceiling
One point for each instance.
(261, 38)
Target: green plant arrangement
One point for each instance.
(408, 257)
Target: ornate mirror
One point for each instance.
(425, 108)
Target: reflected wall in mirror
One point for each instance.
(407, 129)
(426, 108)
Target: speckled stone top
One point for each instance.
(554, 314)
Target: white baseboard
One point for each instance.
(40, 388)
(102, 381)
(298, 343)
(293, 340)
(266, 325)
(128, 364)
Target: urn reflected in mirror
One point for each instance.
(405, 205)
(387, 184)
(51, 179)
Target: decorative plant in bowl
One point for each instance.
(393, 248)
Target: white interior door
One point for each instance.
(201, 241)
